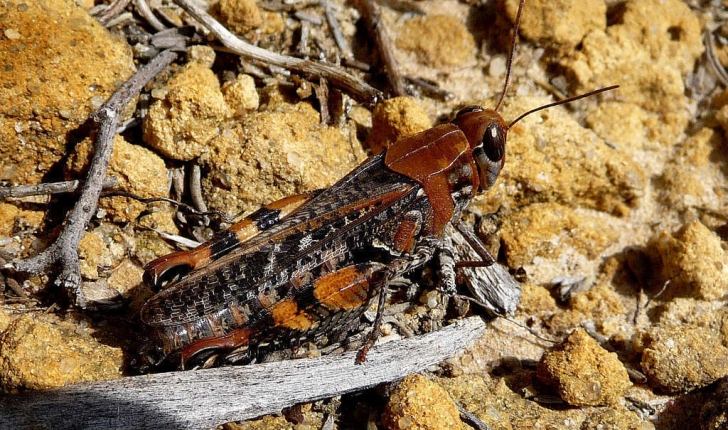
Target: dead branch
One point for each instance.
(285, 6)
(146, 12)
(430, 88)
(211, 397)
(222, 215)
(358, 89)
(470, 418)
(50, 188)
(403, 6)
(718, 68)
(373, 21)
(65, 248)
(336, 31)
(196, 188)
(114, 9)
(322, 94)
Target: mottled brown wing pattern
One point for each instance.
(272, 284)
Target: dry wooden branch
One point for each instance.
(65, 249)
(50, 188)
(208, 398)
(471, 419)
(430, 88)
(114, 9)
(373, 21)
(322, 94)
(403, 6)
(146, 12)
(196, 188)
(287, 6)
(336, 31)
(357, 88)
(720, 71)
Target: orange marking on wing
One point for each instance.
(287, 314)
(246, 228)
(229, 341)
(345, 289)
(201, 256)
(288, 204)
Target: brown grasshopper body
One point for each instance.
(306, 267)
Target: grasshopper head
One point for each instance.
(486, 132)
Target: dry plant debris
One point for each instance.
(623, 194)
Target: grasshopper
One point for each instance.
(306, 267)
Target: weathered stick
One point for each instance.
(208, 398)
(355, 87)
(51, 188)
(65, 248)
(114, 9)
(720, 71)
(373, 21)
(146, 12)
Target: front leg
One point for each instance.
(490, 284)
(422, 253)
(361, 356)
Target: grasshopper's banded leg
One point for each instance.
(446, 262)
(228, 342)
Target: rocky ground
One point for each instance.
(615, 206)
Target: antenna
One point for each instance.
(514, 41)
(561, 102)
(511, 54)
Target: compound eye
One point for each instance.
(494, 141)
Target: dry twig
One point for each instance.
(50, 188)
(403, 6)
(303, 43)
(357, 88)
(281, 6)
(336, 31)
(65, 249)
(720, 71)
(146, 12)
(196, 188)
(372, 19)
(188, 208)
(430, 88)
(471, 419)
(114, 9)
(322, 94)
(208, 398)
